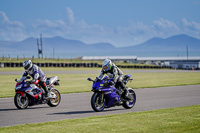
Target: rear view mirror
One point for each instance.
(16, 80)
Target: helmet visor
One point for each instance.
(105, 67)
(27, 66)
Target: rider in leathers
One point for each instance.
(36, 73)
(114, 72)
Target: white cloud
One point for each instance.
(164, 28)
(10, 29)
(3, 17)
(191, 28)
(43, 25)
(70, 15)
(194, 26)
(71, 28)
(9, 24)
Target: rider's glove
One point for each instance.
(36, 82)
(112, 83)
(32, 81)
(97, 79)
(106, 83)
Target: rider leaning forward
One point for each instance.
(108, 68)
(114, 72)
(36, 73)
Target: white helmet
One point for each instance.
(106, 65)
(27, 64)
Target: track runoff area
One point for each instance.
(77, 105)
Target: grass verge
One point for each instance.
(182, 119)
(73, 83)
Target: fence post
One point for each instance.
(1, 65)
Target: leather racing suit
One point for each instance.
(117, 75)
(37, 74)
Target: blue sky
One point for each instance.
(120, 22)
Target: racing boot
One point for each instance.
(46, 91)
(125, 94)
(125, 91)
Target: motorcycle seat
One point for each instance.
(51, 80)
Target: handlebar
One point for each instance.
(130, 80)
(89, 79)
(97, 79)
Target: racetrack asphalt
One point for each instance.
(77, 105)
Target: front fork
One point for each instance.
(101, 97)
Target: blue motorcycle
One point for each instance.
(106, 95)
(29, 94)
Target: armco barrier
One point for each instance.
(11, 64)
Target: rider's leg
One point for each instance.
(123, 86)
(44, 86)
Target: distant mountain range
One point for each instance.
(172, 46)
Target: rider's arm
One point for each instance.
(115, 75)
(23, 76)
(36, 73)
(120, 72)
(100, 75)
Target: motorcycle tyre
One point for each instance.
(58, 95)
(93, 101)
(17, 104)
(126, 103)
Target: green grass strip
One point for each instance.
(52, 69)
(178, 120)
(75, 83)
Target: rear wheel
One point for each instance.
(21, 102)
(98, 102)
(55, 98)
(128, 104)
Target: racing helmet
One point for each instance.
(27, 64)
(106, 64)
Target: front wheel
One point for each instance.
(128, 104)
(21, 102)
(55, 98)
(98, 102)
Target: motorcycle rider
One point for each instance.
(114, 72)
(36, 73)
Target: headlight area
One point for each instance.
(18, 87)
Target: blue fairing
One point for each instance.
(109, 92)
(106, 95)
(24, 89)
(98, 84)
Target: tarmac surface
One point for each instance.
(77, 105)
